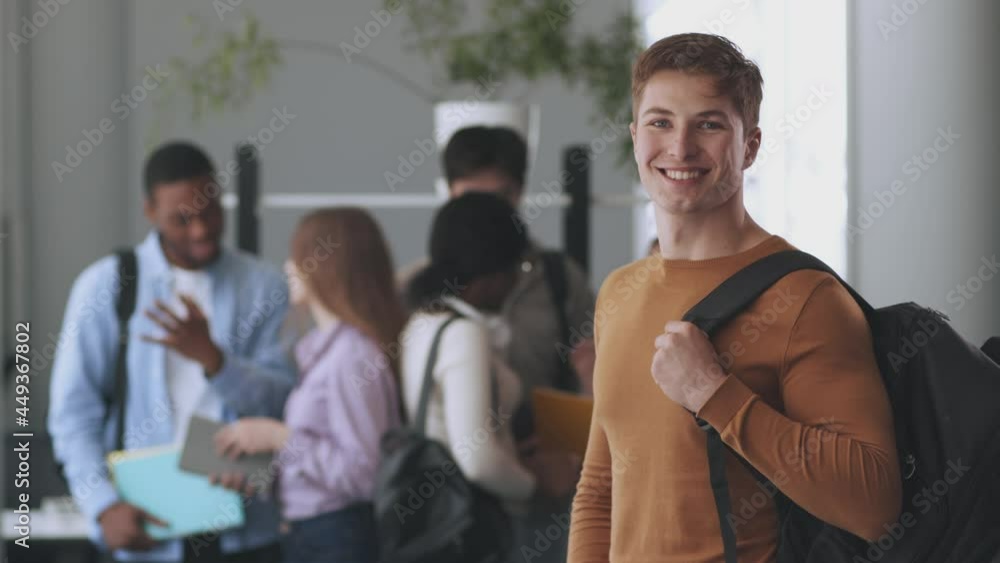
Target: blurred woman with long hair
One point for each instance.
(341, 272)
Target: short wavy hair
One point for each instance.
(704, 54)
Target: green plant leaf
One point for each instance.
(234, 66)
(530, 40)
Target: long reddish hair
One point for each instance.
(346, 263)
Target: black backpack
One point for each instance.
(426, 511)
(128, 272)
(945, 396)
(128, 280)
(554, 269)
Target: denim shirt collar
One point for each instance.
(154, 262)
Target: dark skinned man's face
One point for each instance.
(188, 216)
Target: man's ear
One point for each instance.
(752, 148)
(631, 129)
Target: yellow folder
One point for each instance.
(562, 420)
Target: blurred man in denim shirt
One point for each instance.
(203, 340)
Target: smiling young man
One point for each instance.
(203, 341)
(791, 384)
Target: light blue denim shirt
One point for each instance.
(249, 301)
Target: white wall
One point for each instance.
(352, 124)
(936, 71)
(74, 70)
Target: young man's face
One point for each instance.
(189, 220)
(491, 181)
(690, 145)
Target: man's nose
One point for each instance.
(682, 144)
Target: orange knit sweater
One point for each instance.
(804, 404)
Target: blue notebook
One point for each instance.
(151, 479)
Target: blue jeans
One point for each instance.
(542, 533)
(342, 536)
(208, 551)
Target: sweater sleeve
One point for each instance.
(257, 374)
(832, 450)
(590, 525)
(473, 429)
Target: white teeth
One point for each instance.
(678, 175)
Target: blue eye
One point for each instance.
(660, 123)
(711, 125)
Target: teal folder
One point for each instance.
(152, 479)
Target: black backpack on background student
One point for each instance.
(553, 265)
(128, 280)
(426, 511)
(945, 396)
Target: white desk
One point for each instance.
(56, 519)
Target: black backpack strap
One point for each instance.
(128, 277)
(554, 268)
(428, 382)
(726, 301)
(992, 348)
(744, 287)
(720, 490)
(420, 422)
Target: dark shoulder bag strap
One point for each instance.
(992, 348)
(554, 268)
(128, 276)
(428, 383)
(741, 289)
(733, 296)
(420, 421)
